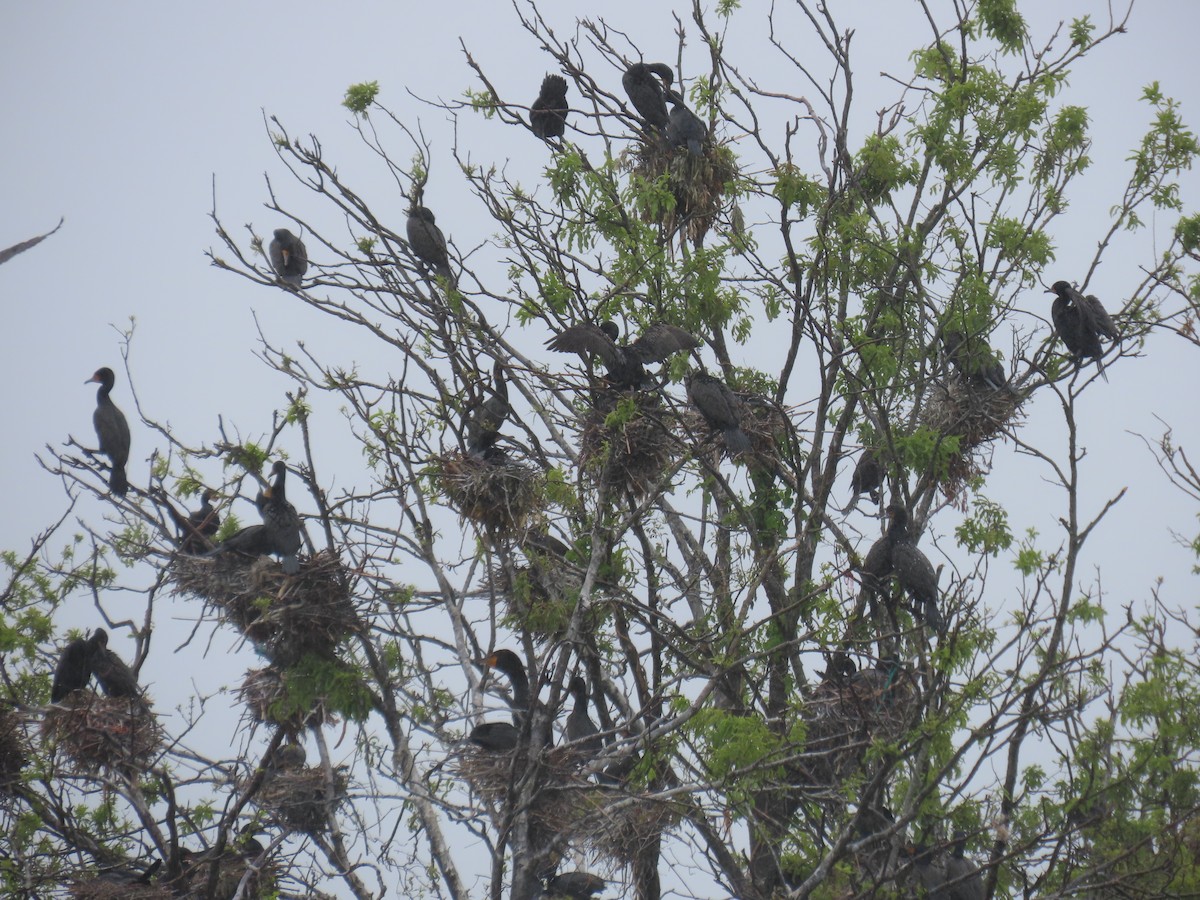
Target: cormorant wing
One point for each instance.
(584, 337)
(660, 341)
(1096, 317)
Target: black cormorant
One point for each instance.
(196, 529)
(684, 127)
(483, 418)
(1081, 321)
(625, 365)
(867, 479)
(974, 360)
(111, 429)
(896, 554)
(926, 868)
(428, 243)
(581, 730)
(74, 670)
(647, 93)
(501, 736)
(497, 737)
(279, 533)
(548, 115)
(574, 886)
(289, 259)
(964, 881)
(113, 676)
(720, 408)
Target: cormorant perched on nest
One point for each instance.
(112, 430)
(896, 554)
(581, 730)
(626, 365)
(720, 408)
(867, 479)
(279, 533)
(496, 737)
(483, 418)
(974, 360)
(963, 878)
(684, 127)
(574, 886)
(74, 670)
(428, 243)
(647, 93)
(500, 736)
(289, 259)
(196, 529)
(548, 114)
(1081, 321)
(116, 678)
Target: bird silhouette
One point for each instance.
(867, 479)
(428, 243)
(74, 670)
(484, 417)
(279, 533)
(1080, 322)
(625, 364)
(720, 408)
(684, 127)
(548, 114)
(647, 92)
(896, 555)
(112, 430)
(288, 257)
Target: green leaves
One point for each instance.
(359, 97)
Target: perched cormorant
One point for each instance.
(287, 757)
(896, 554)
(112, 430)
(279, 533)
(719, 407)
(1081, 321)
(113, 676)
(497, 737)
(974, 360)
(927, 870)
(574, 886)
(74, 670)
(581, 730)
(647, 93)
(867, 479)
(482, 420)
(626, 365)
(289, 259)
(964, 881)
(684, 127)
(196, 529)
(428, 243)
(548, 115)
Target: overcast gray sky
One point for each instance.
(120, 116)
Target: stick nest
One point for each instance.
(628, 452)
(13, 748)
(541, 597)
(698, 184)
(301, 800)
(499, 496)
(285, 616)
(104, 732)
(976, 414)
(268, 699)
(844, 716)
(101, 888)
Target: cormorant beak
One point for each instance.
(93, 379)
(1049, 290)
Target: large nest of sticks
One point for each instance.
(975, 414)
(103, 732)
(301, 799)
(268, 698)
(499, 496)
(628, 451)
(621, 825)
(13, 748)
(107, 887)
(699, 184)
(844, 715)
(285, 616)
(541, 597)
(233, 869)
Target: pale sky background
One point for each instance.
(119, 116)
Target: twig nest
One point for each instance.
(96, 732)
(698, 184)
(234, 869)
(302, 799)
(496, 495)
(976, 414)
(285, 616)
(270, 698)
(105, 887)
(845, 715)
(626, 441)
(13, 748)
(623, 826)
(541, 597)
